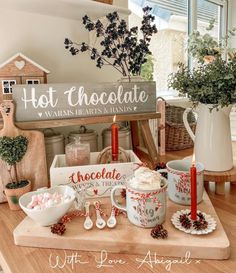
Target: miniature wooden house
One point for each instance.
(20, 69)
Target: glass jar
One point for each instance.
(77, 153)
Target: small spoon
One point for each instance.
(100, 223)
(88, 223)
(111, 222)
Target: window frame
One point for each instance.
(192, 25)
(9, 85)
(224, 18)
(33, 80)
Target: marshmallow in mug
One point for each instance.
(47, 200)
(145, 198)
(146, 179)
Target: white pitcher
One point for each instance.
(212, 139)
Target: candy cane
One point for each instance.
(98, 207)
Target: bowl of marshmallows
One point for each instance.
(47, 205)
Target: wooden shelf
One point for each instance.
(71, 9)
(81, 121)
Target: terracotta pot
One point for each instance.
(13, 196)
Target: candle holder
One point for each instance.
(204, 223)
(105, 156)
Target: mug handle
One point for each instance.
(113, 201)
(162, 171)
(186, 124)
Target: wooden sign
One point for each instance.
(96, 180)
(63, 101)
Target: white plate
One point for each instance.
(211, 223)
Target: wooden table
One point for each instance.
(16, 259)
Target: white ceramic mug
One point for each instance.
(145, 208)
(179, 184)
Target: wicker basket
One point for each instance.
(177, 137)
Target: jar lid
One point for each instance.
(121, 130)
(78, 145)
(50, 133)
(83, 131)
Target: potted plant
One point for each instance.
(205, 48)
(121, 47)
(211, 87)
(12, 150)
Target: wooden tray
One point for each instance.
(127, 238)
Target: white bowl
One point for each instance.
(48, 216)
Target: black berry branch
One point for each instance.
(120, 46)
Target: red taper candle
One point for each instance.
(193, 177)
(114, 140)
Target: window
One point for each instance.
(174, 20)
(33, 81)
(7, 86)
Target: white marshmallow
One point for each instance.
(47, 200)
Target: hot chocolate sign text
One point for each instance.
(58, 101)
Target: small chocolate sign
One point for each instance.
(62, 101)
(96, 180)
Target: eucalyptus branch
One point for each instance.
(213, 83)
(200, 46)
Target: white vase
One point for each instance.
(212, 139)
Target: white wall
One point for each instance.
(41, 38)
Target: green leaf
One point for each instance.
(12, 150)
(229, 76)
(213, 83)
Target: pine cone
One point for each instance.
(185, 221)
(159, 232)
(163, 234)
(158, 228)
(154, 234)
(201, 216)
(161, 165)
(58, 229)
(200, 224)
